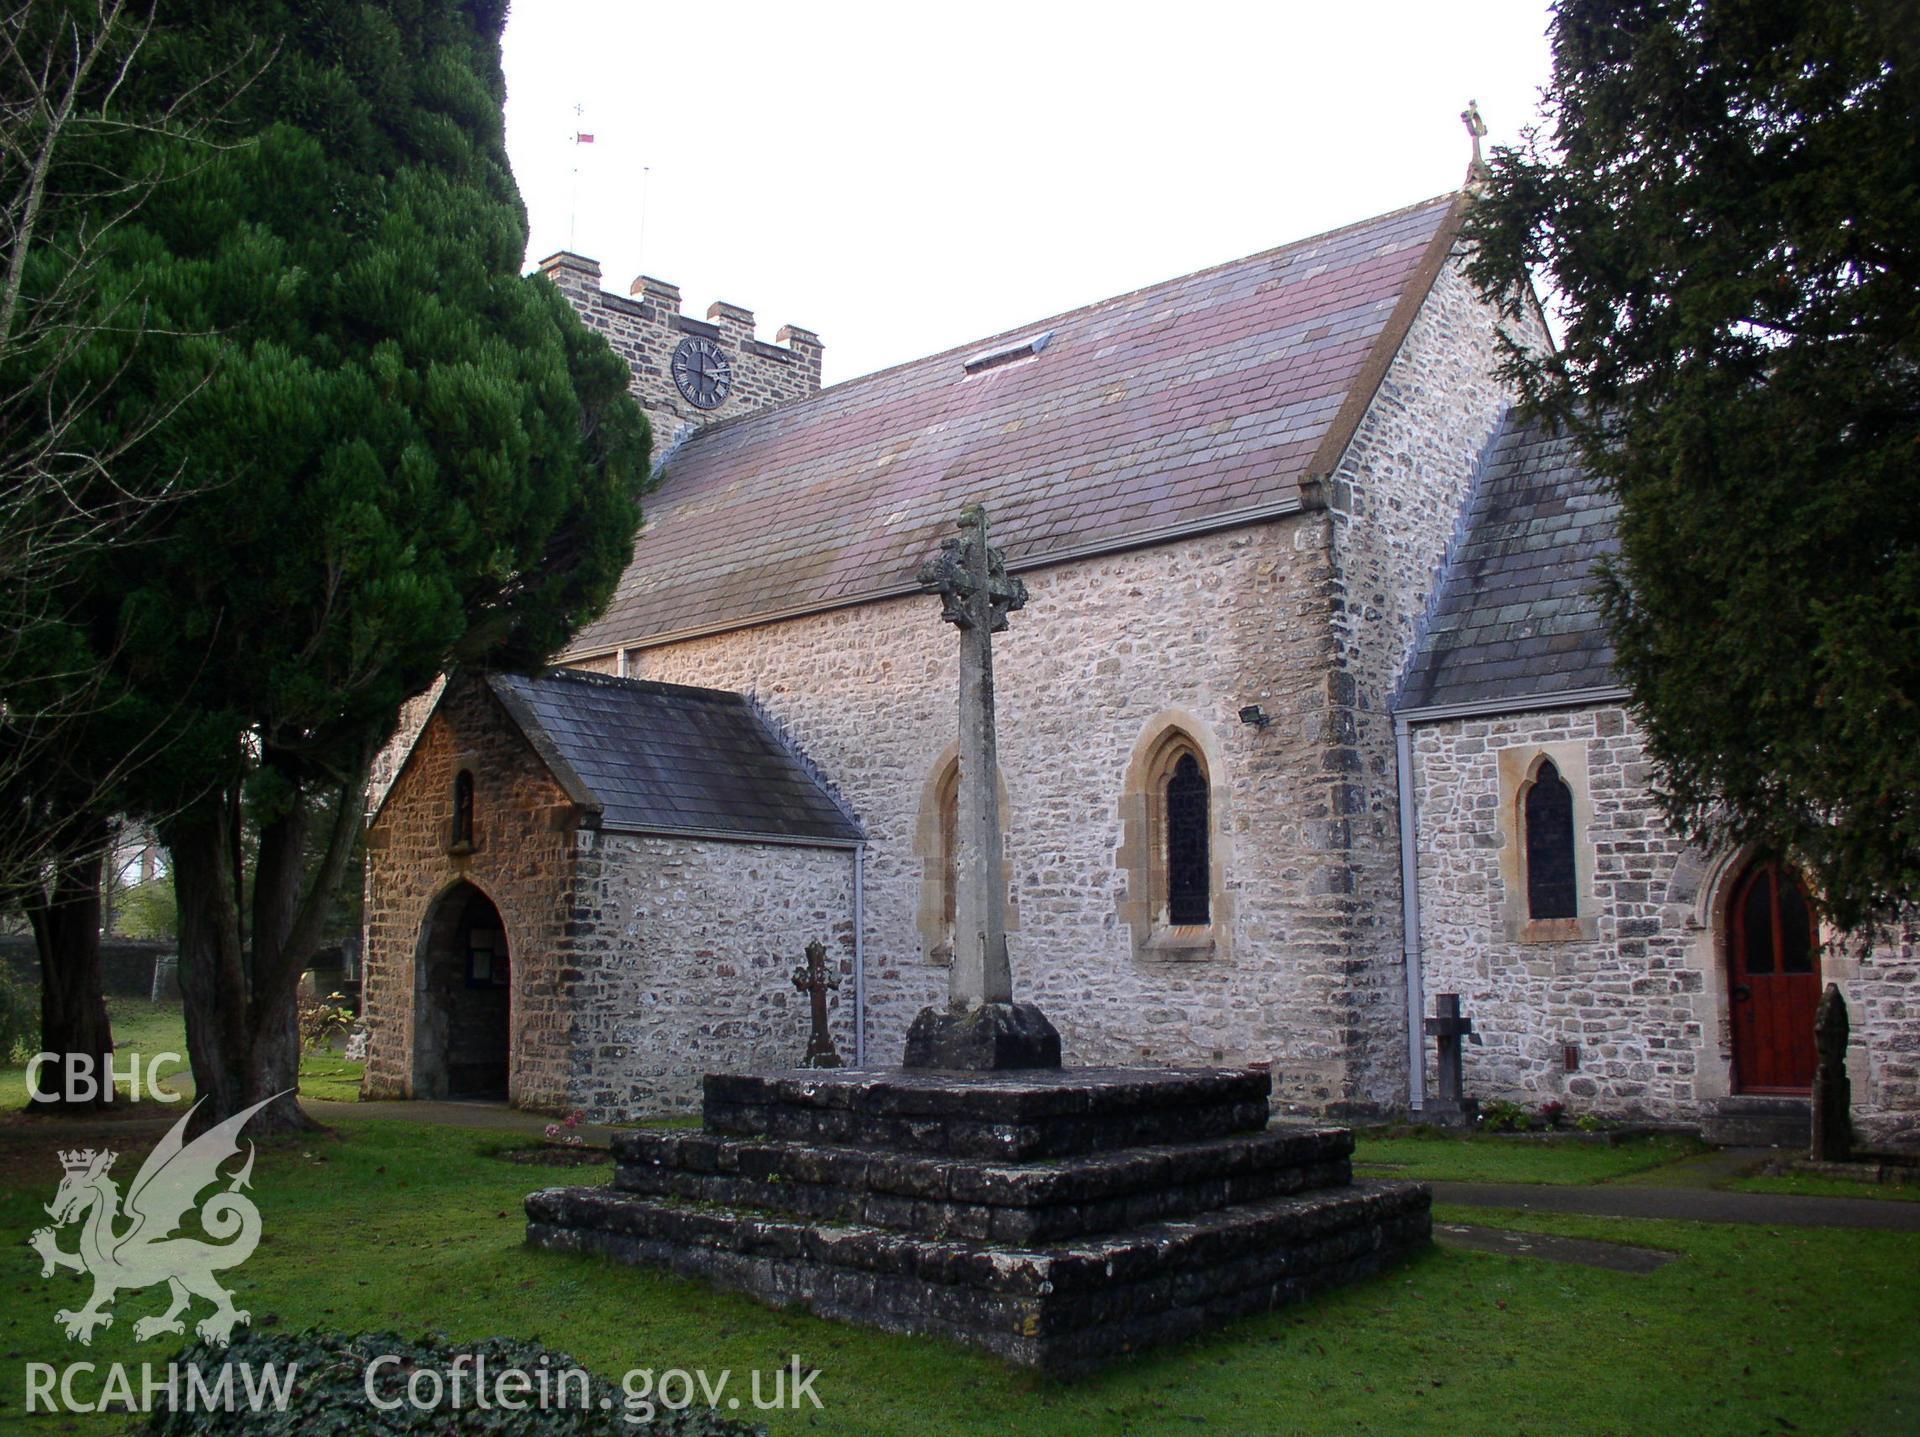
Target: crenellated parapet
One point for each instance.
(722, 369)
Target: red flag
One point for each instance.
(583, 139)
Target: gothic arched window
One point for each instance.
(1552, 886)
(463, 808)
(1189, 868)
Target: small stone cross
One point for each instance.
(815, 980)
(1476, 130)
(976, 595)
(1450, 1030)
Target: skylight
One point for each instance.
(1008, 354)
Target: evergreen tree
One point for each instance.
(1726, 198)
(83, 145)
(405, 457)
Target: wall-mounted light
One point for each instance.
(1255, 715)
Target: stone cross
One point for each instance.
(1832, 1089)
(1450, 1031)
(976, 595)
(815, 980)
(981, 1028)
(1476, 130)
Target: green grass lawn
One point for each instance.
(395, 1225)
(150, 1029)
(1822, 1185)
(1489, 1158)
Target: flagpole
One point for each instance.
(646, 180)
(573, 204)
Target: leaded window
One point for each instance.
(1189, 873)
(1552, 886)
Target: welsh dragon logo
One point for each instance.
(145, 1250)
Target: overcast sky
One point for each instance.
(906, 177)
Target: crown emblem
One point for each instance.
(79, 1160)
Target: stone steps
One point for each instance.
(1063, 1308)
(1020, 1116)
(1757, 1120)
(1055, 1200)
(1057, 1218)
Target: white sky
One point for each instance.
(906, 177)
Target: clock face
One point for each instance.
(702, 372)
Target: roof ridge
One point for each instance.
(836, 390)
(620, 681)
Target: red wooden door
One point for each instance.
(1773, 961)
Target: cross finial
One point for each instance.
(971, 578)
(1476, 130)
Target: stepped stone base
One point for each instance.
(1055, 1218)
(1010, 1116)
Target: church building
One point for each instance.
(1310, 716)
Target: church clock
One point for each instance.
(702, 373)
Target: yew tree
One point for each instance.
(1725, 199)
(84, 143)
(406, 456)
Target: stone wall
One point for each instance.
(522, 857)
(126, 964)
(1106, 654)
(1396, 501)
(645, 330)
(386, 764)
(685, 964)
(1641, 997)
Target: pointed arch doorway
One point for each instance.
(463, 999)
(1773, 967)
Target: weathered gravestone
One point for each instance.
(1832, 1091)
(1057, 1217)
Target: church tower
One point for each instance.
(688, 373)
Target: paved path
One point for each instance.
(493, 1117)
(1687, 1204)
(1510, 1242)
(1710, 1169)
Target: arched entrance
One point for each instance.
(1773, 967)
(463, 999)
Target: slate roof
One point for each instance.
(662, 757)
(1203, 401)
(1515, 616)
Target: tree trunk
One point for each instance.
(212, 974)
(241, 991)
(73, 1005)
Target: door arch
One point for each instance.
(1773, 972)
(462, 1042)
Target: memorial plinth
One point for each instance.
(1057, 1218)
